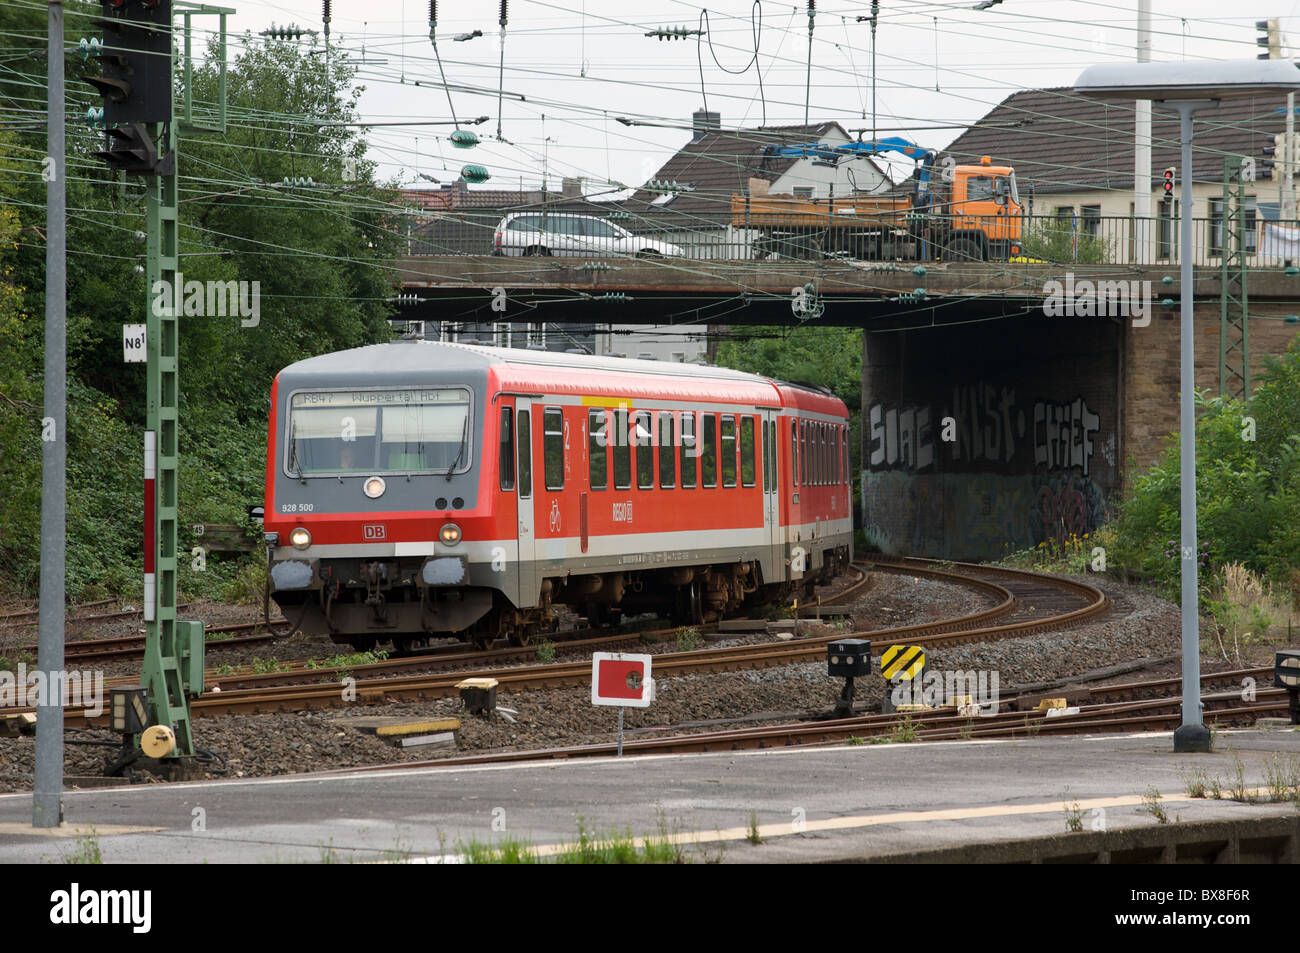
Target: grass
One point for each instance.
(344, 660)
(546, 651)
(753, 836)
(86, 851)
(268, 666)
(1195, 782)
(1073, 813)
(591, 847)
(904, 731)
(1151, 803)
(688, 639)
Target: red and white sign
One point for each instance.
(620, 679)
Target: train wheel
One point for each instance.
(401, 646)
(522, 635)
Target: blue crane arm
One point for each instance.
(923, 157)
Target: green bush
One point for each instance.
(1247, 491)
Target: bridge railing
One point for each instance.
(1056, 239)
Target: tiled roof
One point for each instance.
(720, 163)
(1062, 142)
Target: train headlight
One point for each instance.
(300, 538)
(449, 534)
(375, 487)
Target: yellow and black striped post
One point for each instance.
(900, 663)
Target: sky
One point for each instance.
(571, 68)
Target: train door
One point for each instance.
(526, 430)
(794, 490)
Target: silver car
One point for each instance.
(566, 235)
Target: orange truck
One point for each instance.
(969, 213)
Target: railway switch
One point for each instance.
(849, 658)
(1286, 674)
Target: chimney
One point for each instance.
(703, 122)
(571, 188)
(759, 186)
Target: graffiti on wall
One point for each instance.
(984, 472)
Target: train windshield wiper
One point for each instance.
(293, 455)
(464, 441)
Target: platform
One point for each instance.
(974, 800)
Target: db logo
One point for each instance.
(555, 516)
(373, 531)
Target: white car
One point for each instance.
(568, 235)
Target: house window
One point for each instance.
(802, 191)
(536, 335)
(1091, 216)
(1219, 236)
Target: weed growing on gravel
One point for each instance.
(223, 670)
(753, 836)
(1073, 813)
(1031, 726)
(268, 666)
(546, 651)
(399, 853)
(1152, 805)
(345, 660)
(615, 848)
(688, 640)
(1282, 778)
(87, 850)
(1215, 788)
(1195, 782)
(855, 740)
(1238, 788)
(905, 730)
(967, 730)
(328, 855)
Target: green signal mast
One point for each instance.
(142, 136)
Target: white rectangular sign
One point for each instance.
(134, 349)
(622, 679)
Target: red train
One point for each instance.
(418, 490)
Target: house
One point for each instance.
(1074, 159)
(688, 200)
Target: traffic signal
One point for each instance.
(136, 56)
(1169, 182)
(1271, 39)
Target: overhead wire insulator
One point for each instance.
(88, 47)
(95, 117)
(464, 139)
(475, 173)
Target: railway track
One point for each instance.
(1159, 714)
(1024, 604)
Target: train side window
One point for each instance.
(689, 452)
(506, 448)
(643, 438)
(728, 450)
(767, 442)
(553, 447)
(803, 454)
(667, 459)
(525, 455)
(709, 460)
(847, 478)
(794, 452)
(597, 452)
(622, 452)
(746, 451)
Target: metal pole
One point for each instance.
(1192, 735)
(1142, 147)
(620, 731)
(1288, 167)
(807, 86)
(47, 797)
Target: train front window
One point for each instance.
(379, 431)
